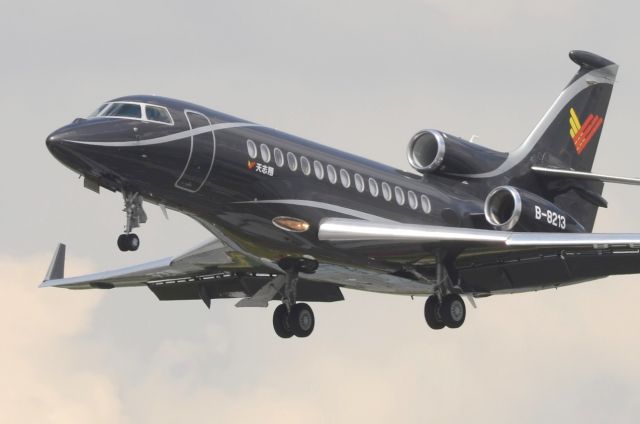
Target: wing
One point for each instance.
(211, 270)
(495, 261)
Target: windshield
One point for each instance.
(122, 110)
(132, 110)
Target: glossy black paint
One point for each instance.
(211, 177)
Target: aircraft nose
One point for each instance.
(52, 139)
(56, 143)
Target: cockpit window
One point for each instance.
(122, 110)
(133, 110)
(158, 114)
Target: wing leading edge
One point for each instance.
(338, 229)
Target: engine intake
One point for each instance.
(509, 208)
(435, 151)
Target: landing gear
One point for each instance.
(301, 320)
(431, 315)
(291, 318)
(281, 322)
(128, 242)
(451, 312)
(298, 322)
(135, 216)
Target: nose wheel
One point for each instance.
(129, 242)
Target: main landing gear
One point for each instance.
(445, 308)
(291, 318)
(299, 321)
(135, 216)
(449, 312)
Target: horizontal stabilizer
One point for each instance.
(578, 175)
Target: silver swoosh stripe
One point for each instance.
(604, 75)
(168, 138)
(328, 207)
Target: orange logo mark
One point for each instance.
(582, 133)
(251, 164)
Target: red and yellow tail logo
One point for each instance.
(251, 164)
(583, 133)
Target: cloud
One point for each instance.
(46, 377)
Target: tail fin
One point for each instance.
(568, 134)
(566, 137)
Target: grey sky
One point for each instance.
(361, 76)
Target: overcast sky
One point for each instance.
(361, 76)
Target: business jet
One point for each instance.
(294, 221)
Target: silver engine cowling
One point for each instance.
(508, 208)
(433, 151)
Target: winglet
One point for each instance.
(56, 269)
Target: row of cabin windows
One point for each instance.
(332, 175)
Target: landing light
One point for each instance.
(288, 223)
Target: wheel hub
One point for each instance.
(305, 320)
(457, 311)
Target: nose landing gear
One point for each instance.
(135, 216)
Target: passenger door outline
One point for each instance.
(185, 180)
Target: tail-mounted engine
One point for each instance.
(433, 151)
(509, 208)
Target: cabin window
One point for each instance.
(318, 169)
(305, 165)
(399, 195)
(373, 187)
(158, 114)
(292, 161)
(345, 178)
(252, 150)
(331, 174)
(278, 157)
(426, 204)
(413, 200)
(265, 153)
(386, 191)
(359, 182)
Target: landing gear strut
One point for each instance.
(291, 318)
(135, 216)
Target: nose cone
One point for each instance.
(53, 140)
(60, 146)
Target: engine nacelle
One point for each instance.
(432, 150)
(509, 208)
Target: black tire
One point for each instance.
(431, 307)
(301, 320)
(452, 311)
(281, 322)
(123, 243)
(133, 242)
